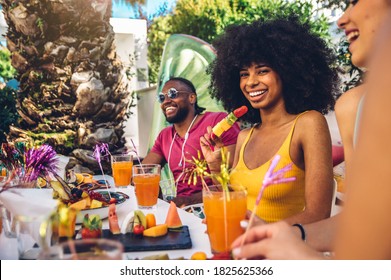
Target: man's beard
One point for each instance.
(178, 117)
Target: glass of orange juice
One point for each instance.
(121, 166)
(146, 178)
(223, 212)
(84, 249)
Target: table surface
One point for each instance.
(200, 240)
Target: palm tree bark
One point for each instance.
(73, 92)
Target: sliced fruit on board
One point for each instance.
(128, 223)
(91, 227)
(141, 218)
(134, 218)
(113, 220)
(138, 229)
(151, 220)
(156, 231)
(173, 220)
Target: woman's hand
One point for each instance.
(211, 150)
(275, 241)
(256, 221)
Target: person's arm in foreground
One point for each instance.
(365, 228)
(346, 112)
(276, 241)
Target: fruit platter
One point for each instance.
(87, 194)
(139, 231)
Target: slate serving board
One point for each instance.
(173, 240)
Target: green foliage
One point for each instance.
(353, 75)
(333, 4)
(6, 70)
(8, 113)
(206, 19)
(157, 37)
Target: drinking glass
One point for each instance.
(122, 169)
(146, 178)
(223, 212)
(168, 188)
(30, 239)
(84, 249)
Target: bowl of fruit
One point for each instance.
(87, 195)
(97, 203)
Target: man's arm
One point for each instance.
(182, 201)
(153, 158)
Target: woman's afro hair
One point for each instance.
(302, 60)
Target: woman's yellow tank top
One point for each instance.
(279, 201)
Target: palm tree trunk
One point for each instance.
(73, 92)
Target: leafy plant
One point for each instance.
(6, 70)
(207, 19)
(8, 113)
(333, 4)
(353, 76)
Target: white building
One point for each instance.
(131, 43)
(3, 28)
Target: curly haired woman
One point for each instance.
(281, 72)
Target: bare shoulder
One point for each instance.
(311, 125)
(349, 100)
(311, 119)
(243, 134)
(242, 137)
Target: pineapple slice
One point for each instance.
(80, 205)
(96, 203)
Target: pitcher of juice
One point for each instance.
(223, 212)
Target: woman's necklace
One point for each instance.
(183, 145)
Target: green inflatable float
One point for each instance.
(187, 57)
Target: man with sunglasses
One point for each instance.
(178, 144)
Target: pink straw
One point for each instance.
(271, 178)
(138, 157)
(99, 148)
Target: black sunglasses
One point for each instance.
(172, 93)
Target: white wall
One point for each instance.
(3, 27)
(147, 97)
(131, 41)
